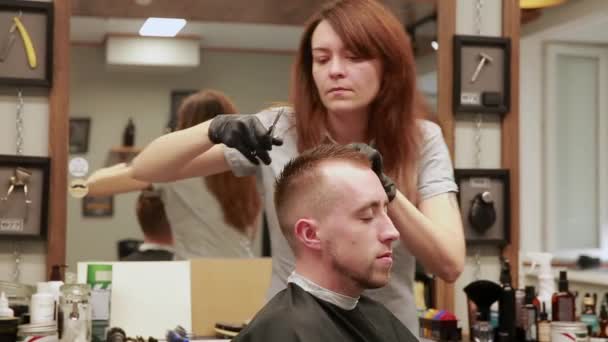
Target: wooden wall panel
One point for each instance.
(58, 135)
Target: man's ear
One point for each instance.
(305, 231)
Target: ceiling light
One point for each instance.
(162, 27)
(527, 4)
(435, 45)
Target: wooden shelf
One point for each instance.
(125, 149)
(121, 154)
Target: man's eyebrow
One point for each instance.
(320, 49)
(368, 205)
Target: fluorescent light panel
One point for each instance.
(162, 27)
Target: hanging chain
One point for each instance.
(19, 147)
(478, 8)
(478, 122)
(19, 123)
(17, 260)
(477, 270)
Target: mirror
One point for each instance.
(249, 62)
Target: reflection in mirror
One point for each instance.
(114, 78)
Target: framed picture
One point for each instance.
(177, 96)
(24, 196)
(26, 43)
(484, 205)
(79, 135)
(482, 74)
(100, 206)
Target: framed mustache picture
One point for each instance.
(24, 196)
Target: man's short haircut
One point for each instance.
(301, 182)
(151, 214)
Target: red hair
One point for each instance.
(238, 196)
(369, 30)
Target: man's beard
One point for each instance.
(363, 279)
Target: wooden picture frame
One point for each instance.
(79, 135)
(98, 206)
(177, 96)
(26, 43)
(24, 196)
(487, 90)
(472, 182)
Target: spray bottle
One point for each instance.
(541, 264)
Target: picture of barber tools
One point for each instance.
(26, 43)
(24, 191)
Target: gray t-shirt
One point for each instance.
(197, 222)
(435, 176)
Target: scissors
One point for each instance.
(274, 123)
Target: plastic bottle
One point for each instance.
(541, 265)
(531, 316)
(588, 315)
(603, 322)
(5, 311)
(42, 306)
(562, 302)
(544, 326)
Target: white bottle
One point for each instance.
(5, 311)
(42, 306)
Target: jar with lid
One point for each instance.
(75, 312)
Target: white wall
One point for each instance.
(109, 98)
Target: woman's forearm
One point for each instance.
(163, 159)
(433, 233)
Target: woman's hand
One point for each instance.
(244, 133)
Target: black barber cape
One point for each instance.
(295, 315)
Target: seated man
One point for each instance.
(158, 238)
(332, 211)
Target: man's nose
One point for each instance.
(388, 231)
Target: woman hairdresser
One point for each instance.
(353, 81)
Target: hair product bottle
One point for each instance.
(562, 302)
(531, 315)
(506, 306)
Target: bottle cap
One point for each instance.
(5, 311)
(530, 294)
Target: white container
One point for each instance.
(42, 305)
(569, 332)
(38, 332)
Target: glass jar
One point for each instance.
(75, 313)
(18, 296)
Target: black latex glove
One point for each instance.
(376, 159)
(245, 133)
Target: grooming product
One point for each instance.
(8, 323)
(42, 332)
(562, 302)
(588, 315)
(544, 326)
(75, 320)
(128, 135)
(530, 316)
(569, 332)
(520, 313)
(603, 322)
(541, 265)
(42, 306)
(481, 294)
(506, 305)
